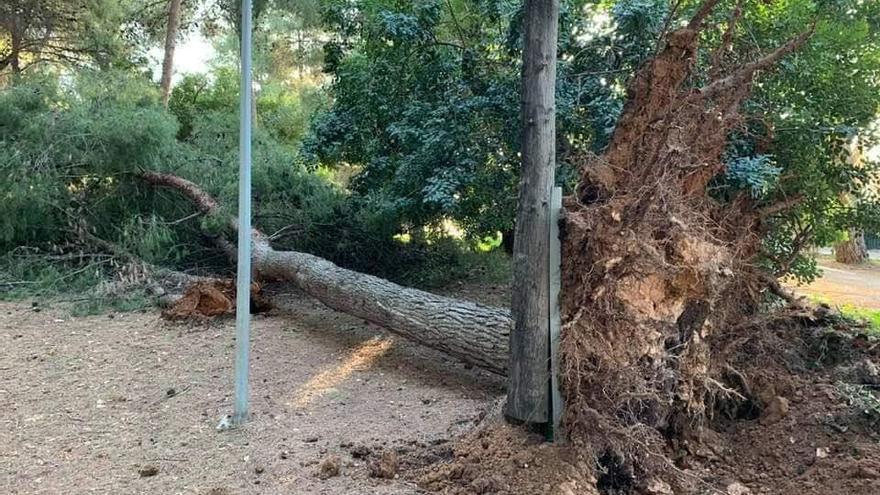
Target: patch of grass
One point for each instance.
(123, 303)
(77, 282)
(33, 276)
(861, 397)
(868, 316)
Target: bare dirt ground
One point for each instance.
(845, 284)
(128, 404)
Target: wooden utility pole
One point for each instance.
(528, 391)
(170, 44)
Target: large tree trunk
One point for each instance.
(852, 251)
(527, 398)
(170, 44)
(474, 333)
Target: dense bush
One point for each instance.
(70, 155)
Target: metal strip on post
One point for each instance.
(556, 404)
(243, 288)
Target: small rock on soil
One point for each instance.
(776, 411)
(329, 468)
(148, 471)
(386, 466)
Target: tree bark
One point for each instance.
(527, 398)
(474, 333)
(170, 45)
(852, 251)
(15, 54)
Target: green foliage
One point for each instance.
(152, 240)
(62, 151)
(426, 104)
(426, 100)
(423, 105)
(34, 274)
(108, 34)
(80, 283)
(283, 110)
(288, 197)
(69, 155)
(809, 125)
(70, 149)
(863, 398)
(756, 174)
(432, 123)
(196, 95)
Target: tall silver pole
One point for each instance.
(243, 290)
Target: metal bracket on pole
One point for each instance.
(556, 403)
(243, 287)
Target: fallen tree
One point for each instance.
(655, 270)
(474, 333)
(651, 264)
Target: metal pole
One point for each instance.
(243, 289)
(556, 403)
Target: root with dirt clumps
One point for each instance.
(800, 415)
(212, 298)
(654, 269)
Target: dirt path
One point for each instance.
(87, 403)
(844, 284)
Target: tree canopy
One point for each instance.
(386, 125)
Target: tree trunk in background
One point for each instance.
(507, 241)
(529, 374)
(852, 251)
(15, 49)
(170, 44)
(474, 333)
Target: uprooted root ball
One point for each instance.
(654, 269)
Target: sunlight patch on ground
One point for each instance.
(360, 359)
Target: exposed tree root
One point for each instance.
(211, 298)
(655, 270)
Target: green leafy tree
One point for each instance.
(107, 34)
(807, 125)
(426, 102)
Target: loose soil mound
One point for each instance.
(505, 459)
(209, 299)
(802, 418)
